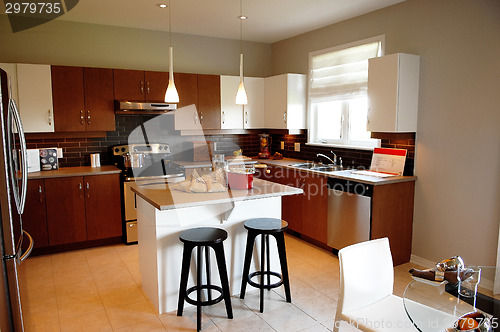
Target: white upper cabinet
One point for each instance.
(393, 93)
(11, 70)
(285, 101)
(250, 116)
(35, 97)
(231, 114)
(253, 112)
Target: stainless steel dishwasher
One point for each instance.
(349, 209)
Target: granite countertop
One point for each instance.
(74, 171)
(344, 174)
(165, 198)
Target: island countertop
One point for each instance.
(163, 197)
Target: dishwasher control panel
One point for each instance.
(350, 186)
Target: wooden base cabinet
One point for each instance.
(305, 213)
(69, 210)
(65, 201)
(102, 206)
(35, 216)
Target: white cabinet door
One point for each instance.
(231, 114)
(11, 70)
(35, 97)
(253, 112)
(187, 118)
(393, 93)
(285, 101)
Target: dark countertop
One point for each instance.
(74, 171)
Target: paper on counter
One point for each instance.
(373, 173)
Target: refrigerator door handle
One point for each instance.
(30, 247)
(19, 194)
(24, 157)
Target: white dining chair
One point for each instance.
(366, 299)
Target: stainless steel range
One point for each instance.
(145, 165)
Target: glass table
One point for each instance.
(433, 306)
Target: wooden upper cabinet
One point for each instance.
(83, 99)
(139, 85)
(187, 88)
(99, 105)
(209, 105)
(129, 84)
(68, 99)
(156, 85)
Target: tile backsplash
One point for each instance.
(77, 150)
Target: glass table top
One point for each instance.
(434, 306)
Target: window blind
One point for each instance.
(342, 73)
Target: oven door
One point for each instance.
(130, 203)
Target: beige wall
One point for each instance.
(64, 43)
(457, 203)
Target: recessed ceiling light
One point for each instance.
(242, 17)
(162, 5)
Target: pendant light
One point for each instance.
(241, 95)
(171, 95)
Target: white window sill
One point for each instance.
(342, 146)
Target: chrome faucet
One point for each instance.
(334, 161)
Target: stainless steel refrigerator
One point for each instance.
(13, 184)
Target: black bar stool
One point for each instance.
(265, 227)
(203, 237)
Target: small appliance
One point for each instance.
(265, 144)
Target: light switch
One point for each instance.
(282, 145)
(297, 147)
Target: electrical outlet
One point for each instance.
(297, 147)
(59, 152)
(282, 145)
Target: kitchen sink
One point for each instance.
(318, 167)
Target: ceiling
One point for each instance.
(268, 20)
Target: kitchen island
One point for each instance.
(163, 212)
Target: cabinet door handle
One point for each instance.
(201, 117)
(142, 87)
(246, 117)
(80, 187)
(50, 118)
(195, 117)
(284, 117)
(88, 190)
(40, 194)
(223, 117)
(147, 87)
(82, 121)
(88, 117)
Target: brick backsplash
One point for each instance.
(77, 150)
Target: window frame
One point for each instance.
(344, 142)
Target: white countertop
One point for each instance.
(344, 174)
(164, 198)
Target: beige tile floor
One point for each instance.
(99, 289)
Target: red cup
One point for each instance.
(240, 180)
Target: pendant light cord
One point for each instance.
(241, 26)
(169, 23)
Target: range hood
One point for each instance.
(123, 106)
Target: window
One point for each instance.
(338, 102)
